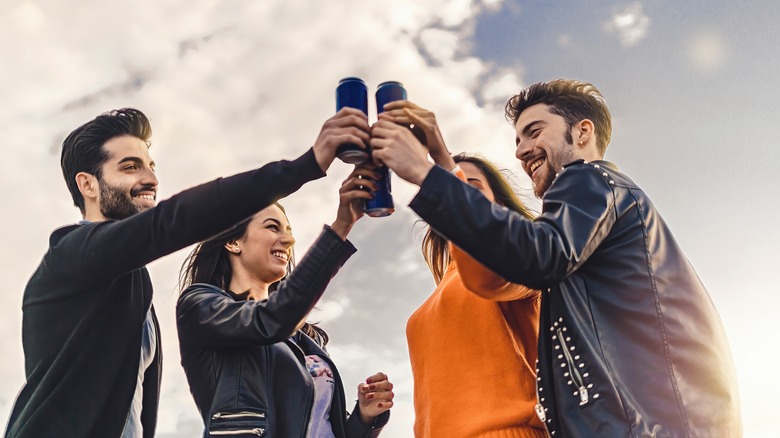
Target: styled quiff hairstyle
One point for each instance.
(435, 249)
(573, 100)
(82, 150)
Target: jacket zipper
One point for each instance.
(573, 371)
(257, 431)
(219, 415)
(539, 408)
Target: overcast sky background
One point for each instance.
(232, 85)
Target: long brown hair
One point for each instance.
(434, 246)
(209, 263)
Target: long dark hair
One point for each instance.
(434, 246)
(209, 263)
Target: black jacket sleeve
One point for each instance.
(207, 317)
(356, 428)
(577, 214)
(111, 248)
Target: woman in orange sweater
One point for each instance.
(472, 343)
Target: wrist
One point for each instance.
(341, 228)
(365, 419)
(322, 159)
(420, 173)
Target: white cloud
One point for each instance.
(440, 44)
(501, 87)
(493, 5)
(328, 310)
(228, 86)
(630, 24)
(28, 17)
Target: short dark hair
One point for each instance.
(82, 150)
(573, 100)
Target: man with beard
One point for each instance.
(630, 343)
(90, 335)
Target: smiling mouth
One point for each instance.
(146, 197)
(281, 255)
(535, 165)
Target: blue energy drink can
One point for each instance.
(382, 204)
(352, 92)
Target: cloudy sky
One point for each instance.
(234, 84)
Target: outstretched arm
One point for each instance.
(487, 284)
(208, 317)
(578, 213)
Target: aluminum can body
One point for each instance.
(382, 204)
(353, 93)
(388, 92)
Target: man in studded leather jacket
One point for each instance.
(630, 343)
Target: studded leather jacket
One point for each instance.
(630, 344)
(245, 361)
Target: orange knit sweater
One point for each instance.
(472, 346)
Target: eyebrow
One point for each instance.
(135, 160)
(527, 128)
(277, 222)
(474, 180)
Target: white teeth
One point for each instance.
(535, 165)
(280, 255)
(149, 197)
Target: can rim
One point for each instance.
(351, 79)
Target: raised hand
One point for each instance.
(397, 148)
(374, 397)
(349, 125)
(426, 128)
(352, 195)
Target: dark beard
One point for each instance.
(115, 203)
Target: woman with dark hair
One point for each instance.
(473, 342)
(255, 368)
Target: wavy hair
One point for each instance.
(434, 246)
(209, 263)
(573, 100)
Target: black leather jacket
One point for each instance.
(245, 363)
(630, 343)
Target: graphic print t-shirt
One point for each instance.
(324, 385)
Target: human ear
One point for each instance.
(585, 130)
(233, 247)
(88, 185)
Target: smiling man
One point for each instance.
(90, 336)
(630, 343)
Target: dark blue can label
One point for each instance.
(352, 93)
(388, 92)
(382, 204)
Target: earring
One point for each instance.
(233, 247)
